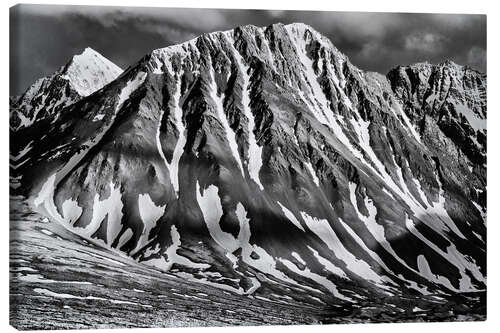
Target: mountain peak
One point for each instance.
(84, 58)
(428, 65)
(89, 51)
(84, 74)
(300, 26)
(90, 71)
(449, 62)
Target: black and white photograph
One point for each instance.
(174, 167)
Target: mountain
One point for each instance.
(81, 76)
(263, 162)
(41, 105)
(450, 96)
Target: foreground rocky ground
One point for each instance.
(60, 281)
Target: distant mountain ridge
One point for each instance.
(260, 161)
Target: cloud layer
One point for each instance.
(43, 37)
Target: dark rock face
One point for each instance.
(262, 159)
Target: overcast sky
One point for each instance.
(44, 37)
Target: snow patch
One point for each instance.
(312, 172)
(98, 117)
(50, 293)
(110, 207)
(71, 210)
(321, 280)
(23, 152)
(173, 257)
(322, 229)
(230, 134)
(126, 236)
(150, 214)
(211, 208)
(407, 122)
(477, 123)
(181, 141)
(298, 258)
(425, 270)
(290, 216)
(329, 266)
(254, 150)
(37, 278)
(131, 86)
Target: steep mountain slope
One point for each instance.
(261, 161)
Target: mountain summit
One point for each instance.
(81, 76)
(261, 161)
(89, 71)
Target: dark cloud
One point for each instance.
(44, 37)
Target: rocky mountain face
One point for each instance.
(261, 161)
(450, 96)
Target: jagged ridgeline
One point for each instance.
(261, 159)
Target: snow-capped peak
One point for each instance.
(90, 71)
(84, 74)
(450, 63)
